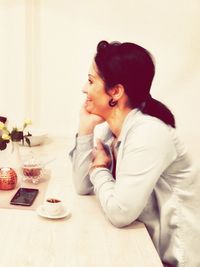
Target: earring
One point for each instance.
(112, 103)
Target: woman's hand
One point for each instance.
(88, 121)
(100, 155)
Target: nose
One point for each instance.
(84, 89)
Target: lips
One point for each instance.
(87, 101)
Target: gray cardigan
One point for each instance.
(155, 183)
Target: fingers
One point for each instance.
(99, 145)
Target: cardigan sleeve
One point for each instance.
(81, 157)
(143, 155)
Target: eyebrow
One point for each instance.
(90, 75)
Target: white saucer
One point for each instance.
(41, 211)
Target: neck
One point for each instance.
(116, 119)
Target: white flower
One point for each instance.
(28, 122)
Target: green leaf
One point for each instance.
(27, 140)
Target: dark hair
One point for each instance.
(132, 66)
(3, 119)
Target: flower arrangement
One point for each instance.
(14, 135)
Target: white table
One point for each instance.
(85, 239)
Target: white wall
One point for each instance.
(52, 43)
(12, 58)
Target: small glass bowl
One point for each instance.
(32, 171)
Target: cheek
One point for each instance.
(101, 102)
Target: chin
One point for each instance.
(88, 108)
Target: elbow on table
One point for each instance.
(80, 190)
(122, 219)
(120, 223)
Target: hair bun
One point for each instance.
(115, 43)
(102, 45)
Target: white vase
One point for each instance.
(10, 157)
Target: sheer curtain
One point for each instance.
(12, 59)
(19, 72)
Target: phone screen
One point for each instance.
(24, 196)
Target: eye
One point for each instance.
(90, 81)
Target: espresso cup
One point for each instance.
(53, 206)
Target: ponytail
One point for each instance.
(157, 109)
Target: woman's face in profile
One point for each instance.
(97, 99)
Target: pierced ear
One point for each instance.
(116, 92)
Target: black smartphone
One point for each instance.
(24, 196)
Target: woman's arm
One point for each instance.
(144, 154)
(81, 155)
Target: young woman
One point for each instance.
(138, 168)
